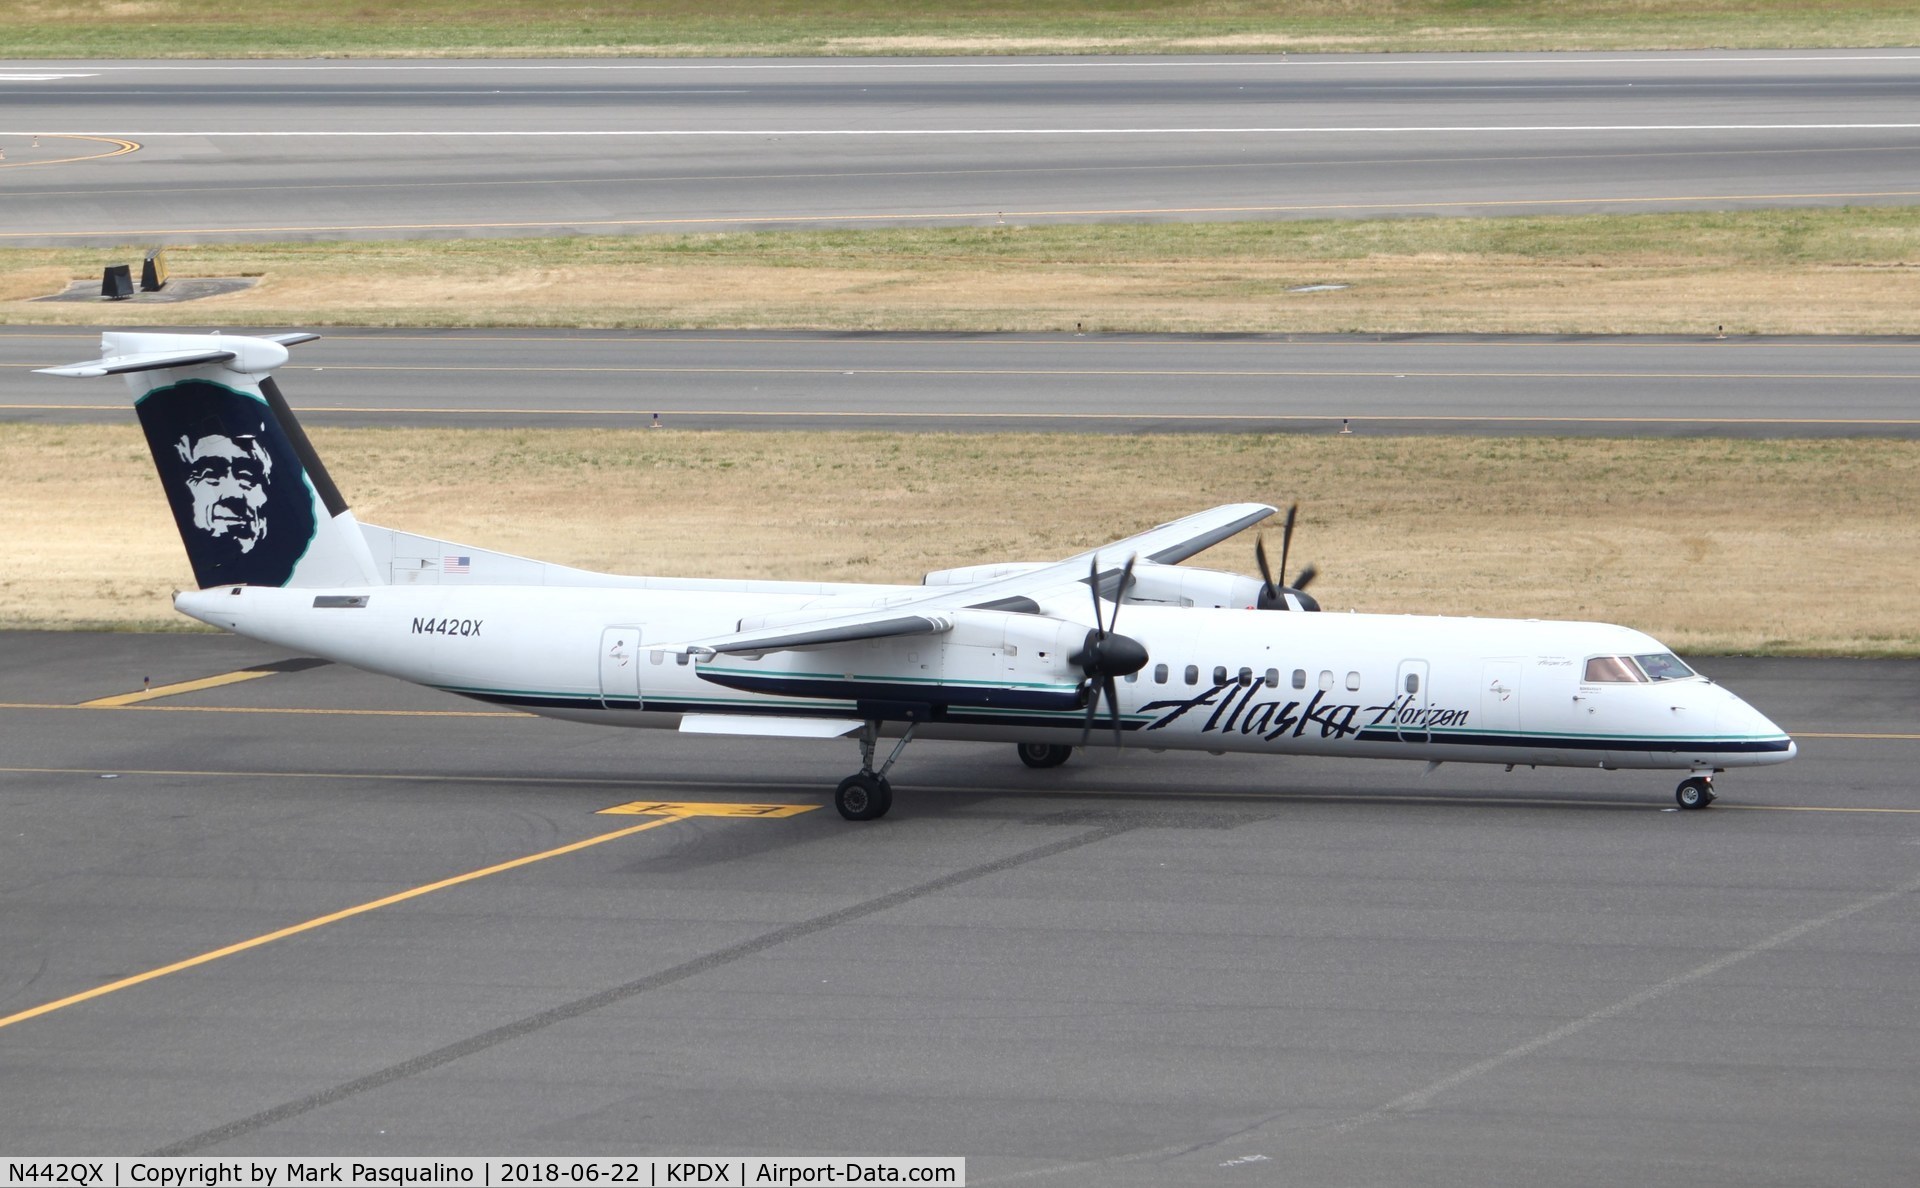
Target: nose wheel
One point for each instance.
(1695, 792)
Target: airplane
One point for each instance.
(1027, 653)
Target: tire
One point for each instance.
(1696, 793)
(862, 797)
(1042, 755)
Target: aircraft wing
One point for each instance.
(1167, 544)
(1176, 540)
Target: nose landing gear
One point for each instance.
(1695, 792)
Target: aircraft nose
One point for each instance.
(1739, 721)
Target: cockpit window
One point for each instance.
(1612, 670)
(1664, 666)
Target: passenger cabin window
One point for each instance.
(1159, 674)
(1132, 677)
(1664, 666)
(1246, 678)
(1353, 681)
(656, 657)
(1326, 678)
(1613, 670)
(1219, 674)
(1299, 678)
(1273, 678)
(1193, 674)
(1413, 682)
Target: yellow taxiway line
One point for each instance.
(662, 813)
(122, 147)
(212, 682)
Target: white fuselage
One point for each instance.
(1362, 685)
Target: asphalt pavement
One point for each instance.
(105, 152)
(1135, 969)
(1464, 384)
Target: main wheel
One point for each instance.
(1695, 793)
(1043, 754)
(862, 797)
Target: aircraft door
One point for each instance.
(1500, 696)
(1413, 722)
(620, 660)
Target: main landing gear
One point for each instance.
(1695, 792)
(1043, 754)
(866, 795)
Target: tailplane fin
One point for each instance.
(253, 503)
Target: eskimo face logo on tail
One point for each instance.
(227, 478)
(233, 480)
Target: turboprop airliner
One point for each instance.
(1030, 653)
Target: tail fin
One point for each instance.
(252, 501)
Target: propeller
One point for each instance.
(1106, 654)
(1273, 596)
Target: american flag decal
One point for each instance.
(456, 565)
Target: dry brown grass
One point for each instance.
(1711, 545)
(1777, 272)
(459, 28)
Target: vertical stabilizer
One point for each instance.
(252, 501)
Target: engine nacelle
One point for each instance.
(1177, 585)
(988, 659)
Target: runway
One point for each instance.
(235, 151)
(1412, 384)
(387, 921)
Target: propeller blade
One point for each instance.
(1113, 708)
(1093, 708)
(1126, 579)
(1267, 589)
(1286, 537)
(1306, 575)
(1093, 588)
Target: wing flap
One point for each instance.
(763, 727)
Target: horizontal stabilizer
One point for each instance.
(766, 727)
(124, 352)
(141, 361)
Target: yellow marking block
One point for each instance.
(212, 682)
(671, 808)
(331, 917)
